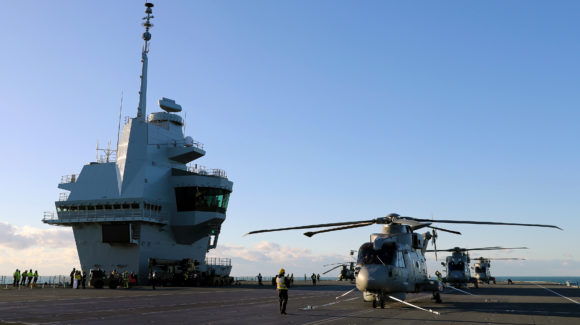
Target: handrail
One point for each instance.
(202, 170)
(218, 261)
(68, 179)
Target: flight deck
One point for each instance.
(521, 303)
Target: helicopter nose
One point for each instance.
(371, 279)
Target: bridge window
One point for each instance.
(202, 199)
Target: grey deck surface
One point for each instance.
(251, 304)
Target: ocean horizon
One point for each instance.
(5, 279)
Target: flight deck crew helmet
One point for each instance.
(282, 271)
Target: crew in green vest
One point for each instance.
(16, 276)
(24, 276)
(35, 278)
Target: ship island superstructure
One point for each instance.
(149, 202)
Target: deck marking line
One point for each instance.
(454, 288)
(417, 307)
(552, 291)
(346, 293)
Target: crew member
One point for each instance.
(35, 278)
(282, 288)
(439, 276)
(16, 276)
(24, 276)
(153, 279)
(30, 274)
(84, 279)
(260, 278)
(72, 277)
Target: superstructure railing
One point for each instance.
(202, 170)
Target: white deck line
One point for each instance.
(554, 292)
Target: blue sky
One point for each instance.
(320, 111)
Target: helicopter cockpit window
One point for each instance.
(479, 269)
(459, 266)
(386, 255)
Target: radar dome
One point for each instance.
(188, 141)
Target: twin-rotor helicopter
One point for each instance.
(392, 263)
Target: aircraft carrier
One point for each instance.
(145, 200)
(521, 303)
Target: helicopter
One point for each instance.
(392, 263)
(481, 268)
(457, 265)
(347, 271)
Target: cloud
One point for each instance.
(50, 251)
(267, 257)
(26, 237)
(9, 237)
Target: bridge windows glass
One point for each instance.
(195, 198)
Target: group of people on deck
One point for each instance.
(21, 278)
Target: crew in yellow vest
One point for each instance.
(24, 276)
(16, 278)
(282, 287)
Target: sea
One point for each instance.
(551, 279)
(60, 279)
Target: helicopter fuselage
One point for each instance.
(393, 263)
(481, 271)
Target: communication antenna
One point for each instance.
(108, 152)
(184, 122)
(141, 110)
(119, 126)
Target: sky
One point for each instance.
(319, 111)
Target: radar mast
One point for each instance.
(142, 109)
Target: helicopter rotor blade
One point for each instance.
(409, 222)
(334, 268)
(325, 265)
(314, 226)
(459, 249)
(312, 233)
(446, 230)
(508, 259)
(485, 223)
(435, 242)
(493, 248)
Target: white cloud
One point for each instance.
(267, 257)
(50, 251)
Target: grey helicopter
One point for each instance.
(347, 271)
(482, 265)
(457, 268)
(392, 263)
